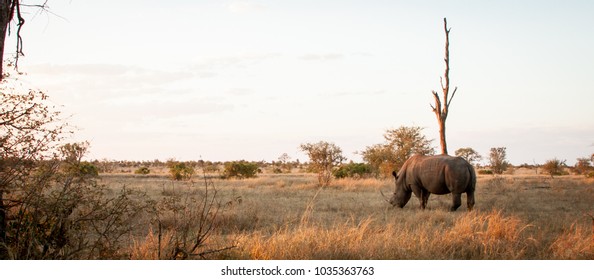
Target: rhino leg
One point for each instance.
(470, 200)
(456, 201)
(424, 198)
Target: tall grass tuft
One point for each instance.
(575, 243)
(150, 248)
(486, 236)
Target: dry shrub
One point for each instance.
(65, 216)
(185, 221)
(190, 217)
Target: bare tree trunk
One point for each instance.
(8, 10)
(442, 138)
(440, 109)
(3, 245)
(5, 17)
(4, 21)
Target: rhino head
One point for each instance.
(400, 196)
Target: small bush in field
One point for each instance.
(583, 166)
(180, 170)
(324, 157)
(241, 169)
(497, 160)
(353, 170)
(485, 172)
(277, 170)
(73, 163)
(554, 167)
(87, 169)
(142, 171)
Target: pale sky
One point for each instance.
(248, 79)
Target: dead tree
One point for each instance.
(441, 109)
(10, 10)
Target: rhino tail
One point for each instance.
(471, 188)
(472, 183)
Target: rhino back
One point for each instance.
(440, 174)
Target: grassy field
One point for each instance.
(286, 216)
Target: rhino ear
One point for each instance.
(395, 174)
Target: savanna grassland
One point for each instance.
(286, 216)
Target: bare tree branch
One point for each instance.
(452, 97)
(440, 109)
(9, 10)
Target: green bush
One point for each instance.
(142, 171)
(485, 172)
(240, 169)
(180, 170)
(72, 154)
(277, 170)
(87, 169)
(353, 170)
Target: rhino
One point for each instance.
(426, 175)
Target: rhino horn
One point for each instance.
(385, 197)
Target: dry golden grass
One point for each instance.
(471, 236)
(288, 217)
(148, 248)
(574, 243)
